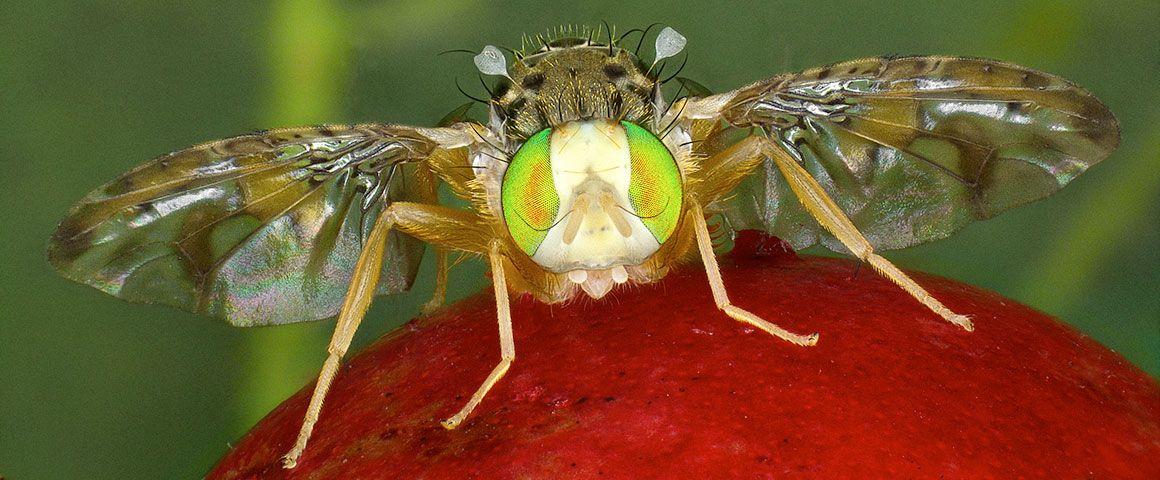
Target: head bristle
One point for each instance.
(588, 36)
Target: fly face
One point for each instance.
(591, 190)
(591, 197)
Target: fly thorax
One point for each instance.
(588, 198)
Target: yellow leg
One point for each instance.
(443, 227)
(507, 344)
(713, 271)
(354, 307)
(440, 293)
(823, 208)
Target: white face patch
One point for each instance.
(596, 227)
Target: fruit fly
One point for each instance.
(582, 178)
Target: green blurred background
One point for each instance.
(92, 387)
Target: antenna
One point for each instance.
(669, 43)
(492, 62)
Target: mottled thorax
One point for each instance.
(580, 82)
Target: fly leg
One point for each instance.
(823, 208)
(705, 245)
(354, 307)
(440, 294)
(507, 346)
(440, 226)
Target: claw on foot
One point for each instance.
(810, 340)
(430, 308)
(962, 321)
(451, 423)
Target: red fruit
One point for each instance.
(655, 382)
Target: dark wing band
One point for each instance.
(915, 148)
(258, 229)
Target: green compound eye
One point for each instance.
(655, 185)
(529, 199)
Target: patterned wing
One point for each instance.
(258, 229)
(914, 148)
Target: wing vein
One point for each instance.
(930, 162)
(212, 270)
(913, 129)
(167, 196)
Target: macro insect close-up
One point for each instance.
(589, 168)
(583, 178)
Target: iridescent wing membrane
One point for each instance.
(913, 148)
(257, 229)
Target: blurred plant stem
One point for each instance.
(307, 78)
